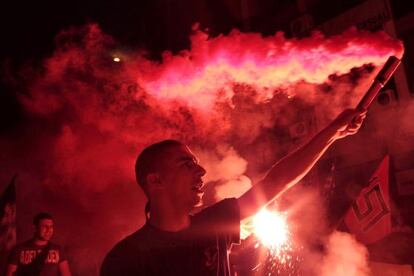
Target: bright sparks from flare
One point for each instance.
(271, 228)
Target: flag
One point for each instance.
(369, 217)
(7, 221)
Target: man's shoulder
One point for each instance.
(55, 246)
(23, 245)
(133, 242)
(221, 218)
(221, 206)
(123, 255)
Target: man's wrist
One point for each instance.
(331, 134)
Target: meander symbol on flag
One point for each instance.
(369, 217)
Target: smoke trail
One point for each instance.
(345, 256)
(229, 97)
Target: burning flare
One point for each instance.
(271, 228)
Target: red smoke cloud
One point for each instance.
(206, 73)
(90, 116)
(212, 65)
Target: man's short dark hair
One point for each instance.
(148, 160)
(40, 216)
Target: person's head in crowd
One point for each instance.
(44, 227)
(169, 174)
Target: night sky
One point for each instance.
(28, 30)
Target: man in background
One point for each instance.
(39, 256)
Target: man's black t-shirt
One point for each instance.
(25, 254)
(200, 249)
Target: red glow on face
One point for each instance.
(44, 231)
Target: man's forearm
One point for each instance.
(292, 168)
(285, 173)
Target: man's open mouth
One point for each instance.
(197, 187)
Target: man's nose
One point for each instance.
(200, 170)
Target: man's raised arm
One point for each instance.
(292, 168)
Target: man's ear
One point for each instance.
(154, 184)
(153, 179)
